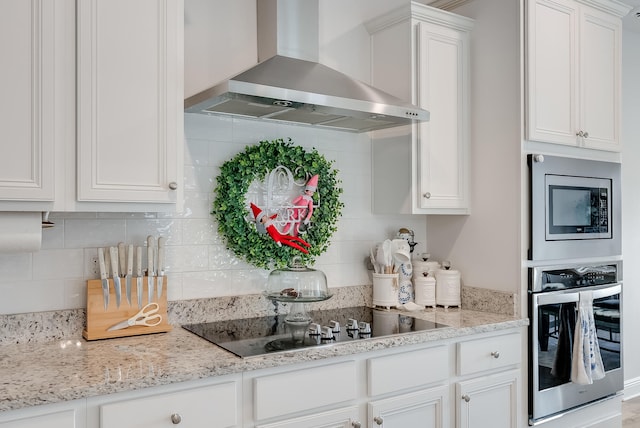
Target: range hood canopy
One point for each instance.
(292, 86)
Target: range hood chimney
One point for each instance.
(290, 85)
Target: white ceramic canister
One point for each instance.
(448, 288)
(425, 290)
(385, 289)
(420, 267)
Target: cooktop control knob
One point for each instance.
(327, 333)
(314, 329)
(335, 326)
(352, 324)
(364, 328)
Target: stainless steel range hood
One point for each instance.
(292, 86)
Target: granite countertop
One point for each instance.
(60, 370)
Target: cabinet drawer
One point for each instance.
(488, 353)
(63, 419)
(407, 370)
(211, 406)
(306, 389)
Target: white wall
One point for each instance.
(485, 246)
(198, 264)
(631, 208)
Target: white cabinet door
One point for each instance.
(27, 105)
(340, 418)
(600, 79)
(60, 415)
(488, 401)
(427, 408)
(423, 169)
(64, 419)
(214, 406)
(129, 112)
(573, 74)
(443, 142)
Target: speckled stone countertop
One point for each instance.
(66, 369)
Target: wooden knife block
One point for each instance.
(99, 320)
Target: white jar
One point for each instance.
(448, 288)
(420, 267)
(425, 289)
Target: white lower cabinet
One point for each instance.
(63, 415)
(339, 418)
(488, 401)
(487, 390)
(428, 408)
(212, 406)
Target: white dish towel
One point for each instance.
(586, 363)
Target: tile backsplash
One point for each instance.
(198, 264)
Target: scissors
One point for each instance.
(146, 317)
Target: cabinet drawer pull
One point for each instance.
(378, 420)
(176, 418)
(173, 185)
(582, 134)
(427, 195)
(495, 354)
(466, 398)
(356, 424)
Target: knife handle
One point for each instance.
(122, 257)
(150, 254)
(107, 261)
(130, 260)
(160, 267)
(113, 251)
(139, 261)
(103, 268)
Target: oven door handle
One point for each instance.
(572, 296)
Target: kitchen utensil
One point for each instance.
(372, 258)
(381, 258)
(147, 317)
(113, 251)
(139, 275)
(160, 267)
(400, 251)
(103, 277)
(122, 259)
(129, 273)
(388, 256)
(107, 261)
(151, 243)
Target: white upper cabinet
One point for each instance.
(129, 100)
(92, 105)
(28, 45)
(422, 55)
(573, 57)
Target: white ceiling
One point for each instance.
(631, 22)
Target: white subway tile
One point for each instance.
(80, 233)
(15, 267)
(58, 264)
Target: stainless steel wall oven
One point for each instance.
(554, 294)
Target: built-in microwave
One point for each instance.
(574, 207)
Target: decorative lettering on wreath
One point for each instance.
(288, 201)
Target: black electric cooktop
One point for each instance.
(266, 335)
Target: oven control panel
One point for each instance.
(574, 276)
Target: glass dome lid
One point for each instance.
(297, 283)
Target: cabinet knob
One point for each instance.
(173, 185)
(378, 420)
(356, 424)
(466, 398)
(427, 195)
(582, 134)
(176, 418)
(495, 354)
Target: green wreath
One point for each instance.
(231, 210)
